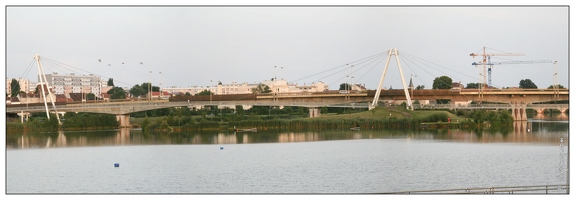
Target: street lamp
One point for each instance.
(150, 86)
(351, 68)
(412, 85)
(555, 83)
(210, 90)
(160, 85)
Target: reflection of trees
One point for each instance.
(553, 127)
(539, 132)
(505, 131)
(478, 132)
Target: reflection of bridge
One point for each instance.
(523, 132)
(516, 99)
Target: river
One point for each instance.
(339, 161)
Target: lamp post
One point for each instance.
(555, 84)
(351, 80)
(160, 85)
(412, 85)
(210, 90)
(149, 87)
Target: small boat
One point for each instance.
(246, 130)
(354, 128)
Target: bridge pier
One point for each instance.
(540, 111)
(522, 127)
(124, 120)
(563, 110)
(24, 116)
(518, 111)
(314, 112)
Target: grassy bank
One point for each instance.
(378, 118)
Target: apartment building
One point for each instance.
(24, 85)
(277, 86)
(71, 83)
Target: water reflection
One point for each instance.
(536, 130)
(554, 117)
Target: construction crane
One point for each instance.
(486, 56)
(490, 64)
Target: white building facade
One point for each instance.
(71, 83)
(277, 86)
(24, 85)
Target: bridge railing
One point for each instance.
(534, 189)
(470, 106)
(486, 106)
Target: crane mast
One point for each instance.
(487, 56)
(490, 65)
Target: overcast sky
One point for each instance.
(192, 45)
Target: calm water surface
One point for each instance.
(339, 161)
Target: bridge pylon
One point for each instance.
(395, 53)
(518, 111)
(44, 81)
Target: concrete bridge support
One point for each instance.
(540, 111)
(518, 111)
(314, 112)
(522, 127)
(124, 120)
(24, 116)
(563, 110)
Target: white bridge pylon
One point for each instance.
(378, 91)
(43, 81)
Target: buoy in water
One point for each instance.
(221, 148)
(116, 164)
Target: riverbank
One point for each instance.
(378, 118)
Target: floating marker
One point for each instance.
(221, 148)
(116, 164)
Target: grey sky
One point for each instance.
(193, 45)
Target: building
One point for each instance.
(234, 88)
(71, 83)
(457, 86)
(24, 85)
(282, 86)
(358, 87)
(175, 90)
(278, 86)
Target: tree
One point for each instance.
(111, 82)
(15, 86)
(261, 88)
(138, 90)
(205, 92)
(188, 94)
(559, 86)
(240, 110)
(117, 93)
(527, 83)
(442, 82)
(91, 96)
(146, 87)
(472, 85)
(420, 87)
(344, 86)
